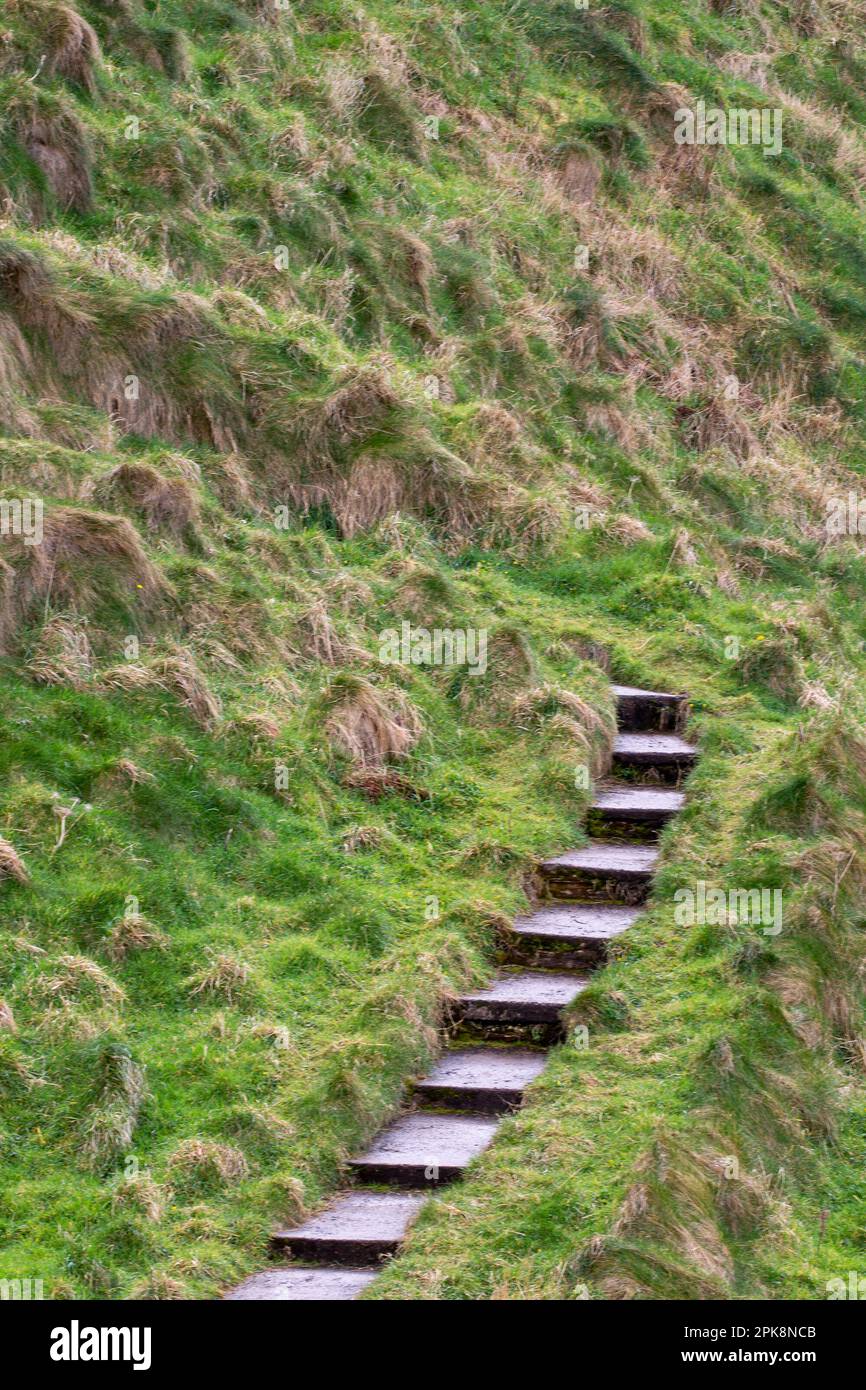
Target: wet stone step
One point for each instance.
(633, 809)
(313, 1285)
(485, 1079)
(521, 997)
(358, 1229)
(667, 755)
(423, 1150)
(571, 935)
(640, 710)
(601, 872)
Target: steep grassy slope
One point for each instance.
(319, 319)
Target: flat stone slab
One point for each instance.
(422, 1150)
(634, 692)
(357, 1229)
(653, 750)
(309, 1285)
(491, 1079)
(575, 924)
(523, 996)
(645, 805)
(608, 860)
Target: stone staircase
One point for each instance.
(500, 1034)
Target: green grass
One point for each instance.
(221, 979)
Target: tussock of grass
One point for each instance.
(11, 863)
(368, 725)
(198, 1163)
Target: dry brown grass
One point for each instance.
(667, 1232)
(567, 714)
(55, 140)
(361, 837)
(62, 655)
(368, 725)
(130, 678)
(126, 771)
(80, 349)
(7, 1018)
(579, 172)
(718, 422)
(11, 863)
(167, 505)
(319, 638)
(258, 725)
(70, 46)
(77, 978)
(202, 1159)
(142, 1195)
(133, 932)
(362, 400)
(626, 529)
(376, 782)
(224, 977)
(82, 555)
(180, 674)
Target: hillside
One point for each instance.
(318, 319)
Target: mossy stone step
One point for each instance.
(601, 871)
(647, 709)
(358, 1229)
(571, 935)
(310, 1285)
(667, 755)
(623, 808)
(521, 997)
(422, 1150)
(488, 1080)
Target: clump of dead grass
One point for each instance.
(68, 43)
(167, 505)
(180, 674)
(666, 1234)
(130, 933)
(204, 1162)
(142, 1195)
(224, 977)
(71, 979)
(54, 138)
(566, 713)
(83, 555)
(360, 837)
(368, 725)
(320, 638)
(61, 654)
(11, 864)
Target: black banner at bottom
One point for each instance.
(81, 1340)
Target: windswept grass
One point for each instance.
(366, 315)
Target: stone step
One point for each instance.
(422, 1150)
(601, 872)
(666, 755)
(312, 1285)
(520, 998)
(627, 808)
(639, 710)
(487, 1080)
(567, 935)
(357, 1229)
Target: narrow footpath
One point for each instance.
(499, 1036)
